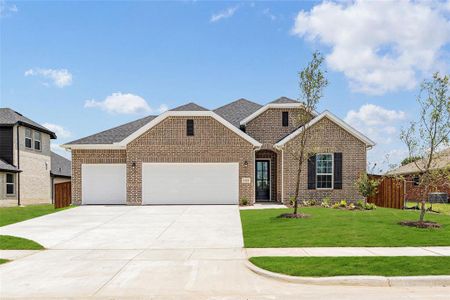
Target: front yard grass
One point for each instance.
(8, 242)
(2, 261)
(10, 215)
(327, 227)
(343, 266)
(443, 208)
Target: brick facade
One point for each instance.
(326, 137)
(88, 156)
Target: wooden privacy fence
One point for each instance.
(63, 194)
(391, 192)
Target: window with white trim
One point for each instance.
(324, 171)
(28, 137)
(10, 184)
(37, 140)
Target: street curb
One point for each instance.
(443, 280)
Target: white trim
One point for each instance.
(92, 146)
(172, 113)
(332, 172)
(369, 143)
(272, 105)
(270, 179)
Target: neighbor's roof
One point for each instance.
(10, 117)
(238, 110)
(113, 135)
(440, 161)
(284, 100)
(4, 166)
(61, 166)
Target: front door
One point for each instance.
(263, 180)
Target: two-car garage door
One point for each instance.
(164, 183)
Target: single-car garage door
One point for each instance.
(104, 183)
(190, 183)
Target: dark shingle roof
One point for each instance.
(282, 100)
(189, 107)
(61, 166)
(115, 134)
(4, 166)
(10, 117)
(238, 110)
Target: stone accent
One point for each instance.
(267, 127)
(85, 156)
(167, 142)
(326, 137)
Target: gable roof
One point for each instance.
(191, 106)
(440, 161)
(61, 166)
(6, 167)
(336, 120)
(284, 100)
(113, 135)
(238, 110)
(9, 117)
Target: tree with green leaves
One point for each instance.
(312, 82)
(428, 134)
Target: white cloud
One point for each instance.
(380, 46)
(266, 12)
(59, 77)
(227, 13)
(124, 104)
(376, 122)
(7, 9)
(60, 131)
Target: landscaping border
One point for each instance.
(434, 280)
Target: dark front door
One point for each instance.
(263, 180)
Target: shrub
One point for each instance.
(243, 201)
(325, 202)
(360, 203)
(336, 205)
(343, 203)
(370, 206)
(292, 200)
(366, 186)
(305, 203)
(312, 202)
(351, 206)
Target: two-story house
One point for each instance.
(28, 168)
(192, 155)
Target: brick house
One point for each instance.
(28, 167)
(192, 155)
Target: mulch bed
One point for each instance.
(293, 216)
(418, 224)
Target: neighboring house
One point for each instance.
(194, 155)
(411, 173)
(60, 172)
(26, 162)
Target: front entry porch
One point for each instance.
(266, 164)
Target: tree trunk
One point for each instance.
(422, 210)
(297, 186)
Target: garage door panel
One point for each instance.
(104, 183)
(200, 183)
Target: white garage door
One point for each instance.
(190, 183)
(104, 183)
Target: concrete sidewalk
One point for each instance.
(350, 251)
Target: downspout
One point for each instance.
(282, 176)
(18, 167)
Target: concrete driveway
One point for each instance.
(158, 252)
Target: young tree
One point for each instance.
(367, 186)
(312, 81)
(431, 132)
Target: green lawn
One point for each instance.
(443, 208)
(341, 266)
(10, 215)
(328, 227)
(2, 261)
(8, 242)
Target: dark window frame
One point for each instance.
(29, 138)
(37, 141)
(190, 127)
(285, 118)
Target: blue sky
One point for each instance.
(60, 61)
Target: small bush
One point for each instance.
(243, 201)
(360, 203)
(343, 203)
(305, 203)
(325, 202)
(351, 206)
(336, 205)
(312, 202)
(292, 200)
(370, 206)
